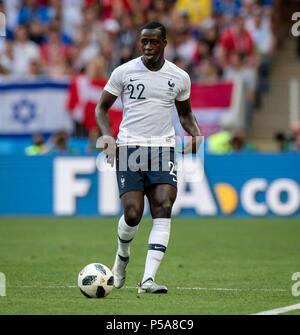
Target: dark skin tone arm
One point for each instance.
(107, 141)
(190, 125)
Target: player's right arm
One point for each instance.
(101, 112)
(107, 141)
(111, 91)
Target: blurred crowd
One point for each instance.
(289, 141)
(211, 39)
(208, 38)
(226, 141)
(59, 143)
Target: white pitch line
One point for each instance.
(178, 288)
(279, 310)
(232, 289)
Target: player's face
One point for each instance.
(152, 45)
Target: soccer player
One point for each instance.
(149, 86)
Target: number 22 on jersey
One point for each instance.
(136, 92)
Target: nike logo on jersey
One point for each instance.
(133, 79)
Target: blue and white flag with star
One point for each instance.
(31, 107)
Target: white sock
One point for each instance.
(126, 234)
(157, 245)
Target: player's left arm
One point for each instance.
(190, 125)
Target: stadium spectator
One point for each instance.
(7, 58)
(127, 35)
(227, 8)
(229, 141)
(11, 9)
(35, 70)
(32, 11)
(236, 38)
(86, 50)
(239, 142)
(264, 42)
(198, 10)
(36, 32)
(203, 52)
(186, 46)
(210, 31)
(56, 24)
(93, 24)
(72, 16)
(55, 9)
(61, 145)
(295, 143)
(38, 147)
(24, 51)
(282, 141)
(205, 72)
(161, 8)
(54, 50)
(109, 48)
(219, 143)
(238, 69)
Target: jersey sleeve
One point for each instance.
(185, 89)
(115, 82)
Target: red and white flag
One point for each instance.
(210, 104)
(83, 97)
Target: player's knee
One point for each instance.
(162, 209)
(133, 215)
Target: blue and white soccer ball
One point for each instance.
(95, 280)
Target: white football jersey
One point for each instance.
(148, 101)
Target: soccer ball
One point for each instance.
(95, 280)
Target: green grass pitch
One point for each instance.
(212, 266)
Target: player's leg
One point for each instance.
(161, 199)
(131, 190)
(133, 207)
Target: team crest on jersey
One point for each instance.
(171, 85)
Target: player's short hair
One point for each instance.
(156, 25)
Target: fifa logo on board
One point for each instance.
(2, 25)
(2, 285)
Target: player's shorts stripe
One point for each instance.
(158, 247)
(124, 241)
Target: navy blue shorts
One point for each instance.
(140, 167)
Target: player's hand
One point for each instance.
(192, 146)
(109, 147)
